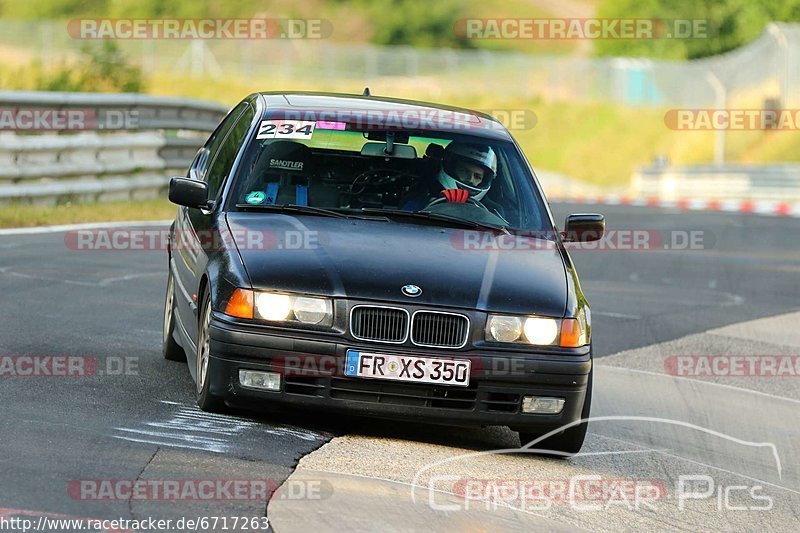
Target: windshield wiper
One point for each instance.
(428, 215)
(295, 208)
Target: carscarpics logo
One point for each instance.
(286, 164)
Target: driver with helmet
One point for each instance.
(466, 173)
(468, 167)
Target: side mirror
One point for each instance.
(584, 227)
(188, 193)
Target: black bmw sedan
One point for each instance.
(379, 257)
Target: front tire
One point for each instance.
(170, 349)
(205, 364)
(568, 443)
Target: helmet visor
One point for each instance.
(468, 171)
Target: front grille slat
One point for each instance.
(434, 329)
(439, 330)
(381, 324)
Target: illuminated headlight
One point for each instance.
(541, 331)
(273, 307)
(277, 307)
(535, 330)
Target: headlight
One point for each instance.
(536, 331)
(541, 331)
(273, 307)
(504, 328)
(276, 307)
(280, 307)
(311, 310)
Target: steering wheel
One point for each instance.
(441, 200)
(470, 201)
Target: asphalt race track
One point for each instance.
(133, 418)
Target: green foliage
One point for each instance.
(423, 24)
(60, 9)
(409, 22)
(51, 9)
(101, 68)
(729, 24)
(430, 23)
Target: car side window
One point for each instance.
(199, 164)
(223, 159)
(206, 153)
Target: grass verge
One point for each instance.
(20, 216)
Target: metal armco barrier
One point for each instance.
(723, 182)
(118, 146)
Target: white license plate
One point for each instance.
(407, 368)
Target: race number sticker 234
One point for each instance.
(285, 129)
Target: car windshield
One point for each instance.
(326, 165)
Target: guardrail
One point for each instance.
(723, 182)
(118, 146)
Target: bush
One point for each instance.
(100, 68)
(731, 23)
(422, 24)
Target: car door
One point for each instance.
(189, 234)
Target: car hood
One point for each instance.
(372, 260)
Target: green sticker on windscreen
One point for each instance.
(256, 197)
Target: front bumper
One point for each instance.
(312, 377)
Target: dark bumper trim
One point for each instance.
(498, 381)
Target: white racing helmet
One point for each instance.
(457, 153)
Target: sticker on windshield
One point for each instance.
(327, 125)
(255, 197)
(285, 129)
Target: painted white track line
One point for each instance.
(88, 225)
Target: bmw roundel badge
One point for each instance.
(412, 291)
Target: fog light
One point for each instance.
(542, 405)
(260, 380)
